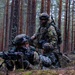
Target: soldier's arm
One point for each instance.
(52, 35)
(32, 48)
(35, 35)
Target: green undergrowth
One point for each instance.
(62, 71)
(40, 72)
(48, 72)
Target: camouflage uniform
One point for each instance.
(29, 53)
(49, 59)
(45, 35)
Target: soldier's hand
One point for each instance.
(33, 37)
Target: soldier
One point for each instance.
(46, 33)
(21, 44)
(48, 58)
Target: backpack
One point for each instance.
(58, 31)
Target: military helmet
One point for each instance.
(44, 16)
(47, 47)
(20, 39)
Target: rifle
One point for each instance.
(65, 56)
(52, 22)
(9, 58)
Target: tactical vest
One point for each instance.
(42, 37)
(43, 33)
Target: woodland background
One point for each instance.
(22, 16)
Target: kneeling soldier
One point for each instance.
(48, 58)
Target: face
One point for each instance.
(27, 45)
(43, 22)
(43, 51)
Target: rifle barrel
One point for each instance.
(66, 57)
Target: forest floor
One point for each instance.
(67, 69)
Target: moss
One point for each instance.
(27, 73)
(40, 72)
(44, 72)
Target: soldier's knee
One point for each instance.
(9, 65)
(27, 65)
(36, 57)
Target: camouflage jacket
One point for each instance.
(49, 35)
(48, 59)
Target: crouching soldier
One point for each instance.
(21, 44)
(48, 58)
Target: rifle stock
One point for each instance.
(65, 56)
(11, 56)
(68, 59)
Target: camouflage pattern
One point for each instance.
(49, 35)
(49, 60)
(52, 36)
(20, 39)
(44, 16)
(19, 36)
(47, 48)
(30, 56)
